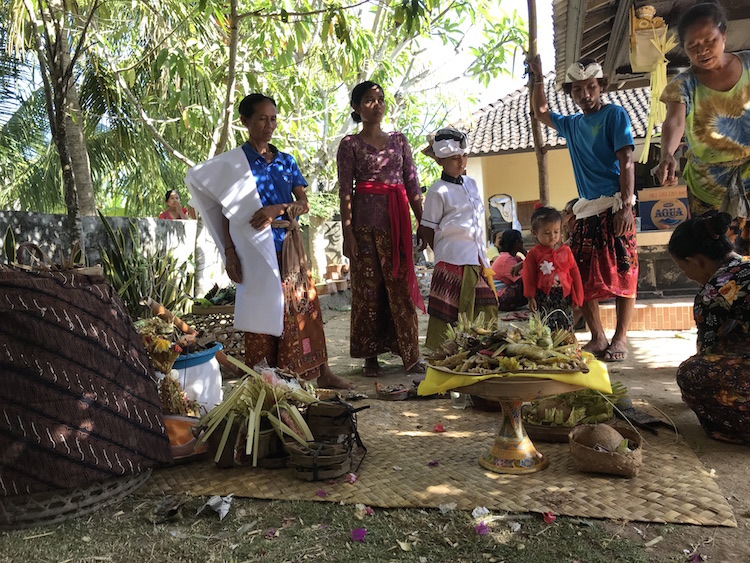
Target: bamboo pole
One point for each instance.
(536, 129)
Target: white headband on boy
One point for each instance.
(577, 72)
(449, 147)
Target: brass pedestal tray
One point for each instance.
(513, 451)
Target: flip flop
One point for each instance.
(419, 367)
(609, 355)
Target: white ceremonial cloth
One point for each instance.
(585, 208)
(225, 187)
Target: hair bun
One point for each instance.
(356, 117)
(720, 222)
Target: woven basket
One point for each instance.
(590, 460)
(331, 421)
(219, 327)
(269, 447)
(24, 511)
(319, 461)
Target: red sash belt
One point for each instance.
(398, 211)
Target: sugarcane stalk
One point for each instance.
(250, 440)
(256, 417)
(224, 437)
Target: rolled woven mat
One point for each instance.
(673, 485)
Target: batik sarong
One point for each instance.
(608, 264)
(454, 290)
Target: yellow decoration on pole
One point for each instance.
(658, 110)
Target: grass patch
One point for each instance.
(310, 531)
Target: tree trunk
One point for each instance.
(73, 224)
(79, 154)
(76, 142)
(536, 129)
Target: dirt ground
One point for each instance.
(649, 374)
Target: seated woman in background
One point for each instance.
(715, 383)
(174, 208)
(507, 267)
(494, 250)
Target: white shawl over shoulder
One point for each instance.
(225, 187)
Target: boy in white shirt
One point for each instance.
(453, 225)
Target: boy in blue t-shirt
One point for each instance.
(600, 143)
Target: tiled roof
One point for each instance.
(505, 125)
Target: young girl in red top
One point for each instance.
(551, 280)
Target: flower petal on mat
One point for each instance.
(358, 534)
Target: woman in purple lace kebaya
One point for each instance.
(377, 184)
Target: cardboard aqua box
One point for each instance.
(663, 208)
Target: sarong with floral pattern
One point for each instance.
(717, 388)
(301, 348)
(384, 318)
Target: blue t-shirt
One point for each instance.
(593, 141)
(275, 181)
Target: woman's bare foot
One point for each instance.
(330, 380)
(372, 368)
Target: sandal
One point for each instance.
(419, 367)
(614, 356)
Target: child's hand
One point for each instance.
(516, 269)
(532, 304)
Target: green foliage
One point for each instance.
(163, 69)
(135, 274)
(323, 204)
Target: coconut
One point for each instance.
(600, 435)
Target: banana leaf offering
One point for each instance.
(479, 347)
(586, 406)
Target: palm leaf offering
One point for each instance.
(474, 348)
(252, 398)
(586, 406)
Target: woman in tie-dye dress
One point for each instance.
(710, 103)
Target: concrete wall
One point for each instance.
(45, 230)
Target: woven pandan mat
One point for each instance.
(673, 485)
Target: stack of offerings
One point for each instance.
(334, 426)
(663, 208)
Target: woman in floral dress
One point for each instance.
(377, 184)
(715, 383)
